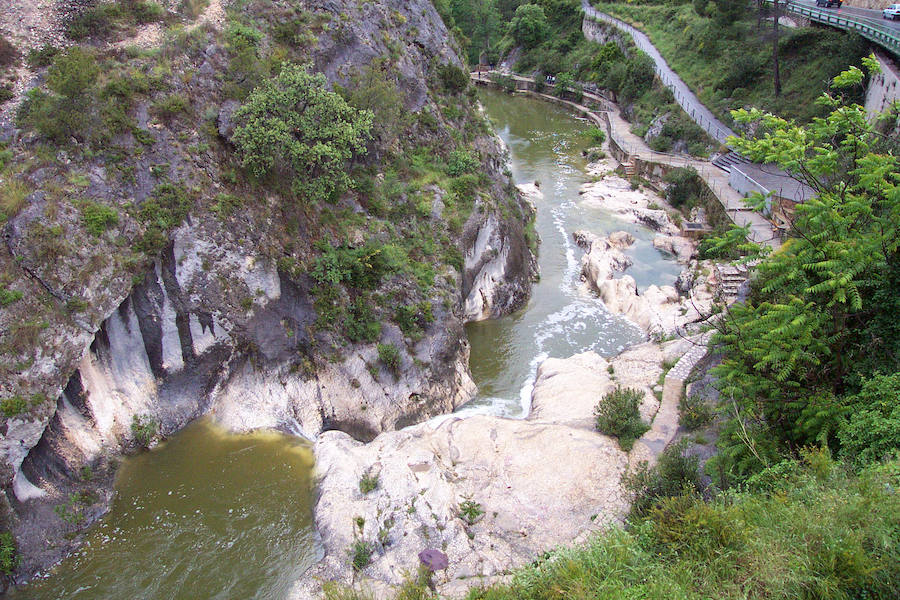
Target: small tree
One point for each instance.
(618, 415)
(293, 125)
(529, 26)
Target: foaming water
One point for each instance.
(562, 318)
(208, 515)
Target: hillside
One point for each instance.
(174, 247)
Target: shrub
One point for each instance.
(529, 26)
(685, 186)
(164, 210)
(596, 135)
(9, 56)
(618, 415)
(361, 324)
(368, 482)
(361, 554)
(8, 297)
(390, 356)
(871, 430)
(12, 406)
(310, 145)
(453, 78)
(461, 162)
(694, 412)
(169, 107)
(674, 474)
(97, 218)
(144, 428)
(9, 557)
(41, 57)
(470, 511)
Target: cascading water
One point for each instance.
(563, 317)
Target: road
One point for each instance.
(848, 11)
(683, 94)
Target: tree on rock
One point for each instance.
(292, 125)
(529, 26)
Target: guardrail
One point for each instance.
(871, 29)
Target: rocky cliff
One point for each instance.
(147, 278)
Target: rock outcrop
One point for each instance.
(659, 310)
(224, 319)
(531, 484)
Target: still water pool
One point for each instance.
(207, 515)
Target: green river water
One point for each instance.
(209, 515)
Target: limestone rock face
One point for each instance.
(678, 246)
(614, 193)
(659, 310)
(546, 480)
(499, 266)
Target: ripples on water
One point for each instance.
(562, 318)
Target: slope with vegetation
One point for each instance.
(544, 37)
(722, 49)
(285, 199)
(802, 499)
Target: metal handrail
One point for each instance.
(869, 28)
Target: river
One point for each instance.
(562, 317)
(210, 515)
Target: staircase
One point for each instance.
(726, 161)
(630, 170)
(731, 279)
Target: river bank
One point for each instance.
(494, 492)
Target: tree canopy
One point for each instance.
(293, 125)
(820, 325)
(529, 26)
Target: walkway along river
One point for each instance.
(214, 515)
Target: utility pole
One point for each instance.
(775, 51)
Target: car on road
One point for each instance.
(829, 3)
(891, 12)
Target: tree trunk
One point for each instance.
(776, 73)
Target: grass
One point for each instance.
(730, 66)
(12, 197)
(368, 482)
(811, 535)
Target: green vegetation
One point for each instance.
(361, 553)
(98, 218)
(8, 297)
(310, 147)
(470, 511)
(724, 54)
(529, 26)
(796, 532)
(106, 20)
(812, 355)
(389, 355)
(9, 557)
(72, 510)
(617, 414)
(694, 412)
(368, 482)
(144, 428)
(13, 406)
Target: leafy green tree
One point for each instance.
(529, 26)
(798, 350)
(293, 125)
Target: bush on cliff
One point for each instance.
(618, 415)
(292, 125)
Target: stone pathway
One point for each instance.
(683, 94)
(665, 423)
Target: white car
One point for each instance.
(891, 12)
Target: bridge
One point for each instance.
(867, 23)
